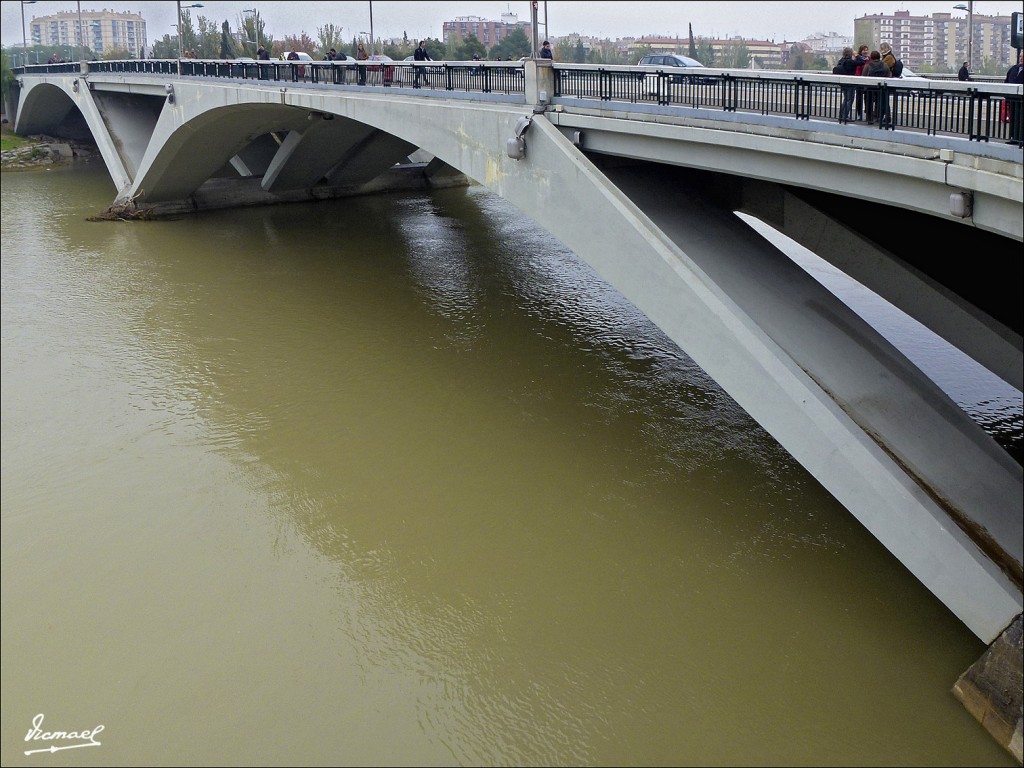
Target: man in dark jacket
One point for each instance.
(964, 74)
(846, 66)
(1015, 109)
(1015, 74)
(420, 54)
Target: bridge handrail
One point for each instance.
(975, 111)
(971, 110)
(479, 76)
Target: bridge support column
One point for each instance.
(540, 81)
(991, 689)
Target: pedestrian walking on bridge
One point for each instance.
(420, 54)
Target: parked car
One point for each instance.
(299, 58)
(380, 72)
(667, 60)
(408, 74)
(670, 60)
(909, 74)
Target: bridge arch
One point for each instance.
(884, 440)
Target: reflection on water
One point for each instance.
(399, 480)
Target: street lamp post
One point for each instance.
(535, 47)
(24, 39)
(970, 30)
(193, 5)
(255, 24)
(372, 51)
(80, 38)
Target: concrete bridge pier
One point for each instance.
(991, 690)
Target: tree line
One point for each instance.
(210, 40)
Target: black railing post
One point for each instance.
(885, 107)
(730, 99)
(1014, 105)
(801, 100)
(974, 106)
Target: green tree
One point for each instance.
(514, 44)
(705, 52)
(693, 44)
(396, 52)
(252, 28)
(227, 44)
(6, 80)
(435, 48)
(605, 52)
(990, 66)
(801, 59)
(165, 48)
(207, 45)
(735, 56)
(640, 51)
(116, 54)
(329, 36)
(563, 50)
(187, 34)
(469, 46)
(302, 43)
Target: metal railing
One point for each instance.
(480, 77)
(977, 112)
(974, 111)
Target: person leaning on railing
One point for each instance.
(1015, 110)
(361, 55)
(861, 60)
(846, 66)
(888, 56)
(874, 68)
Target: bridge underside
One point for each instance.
(927, 481)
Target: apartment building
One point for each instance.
(490, 33)
(100, 31)
(939, 40)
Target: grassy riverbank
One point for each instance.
(10, 140)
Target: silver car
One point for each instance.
(670, 60)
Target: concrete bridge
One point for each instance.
(640, 173)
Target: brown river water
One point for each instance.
(399, 480)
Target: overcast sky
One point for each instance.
(603, 18)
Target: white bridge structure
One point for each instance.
(640, 172)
